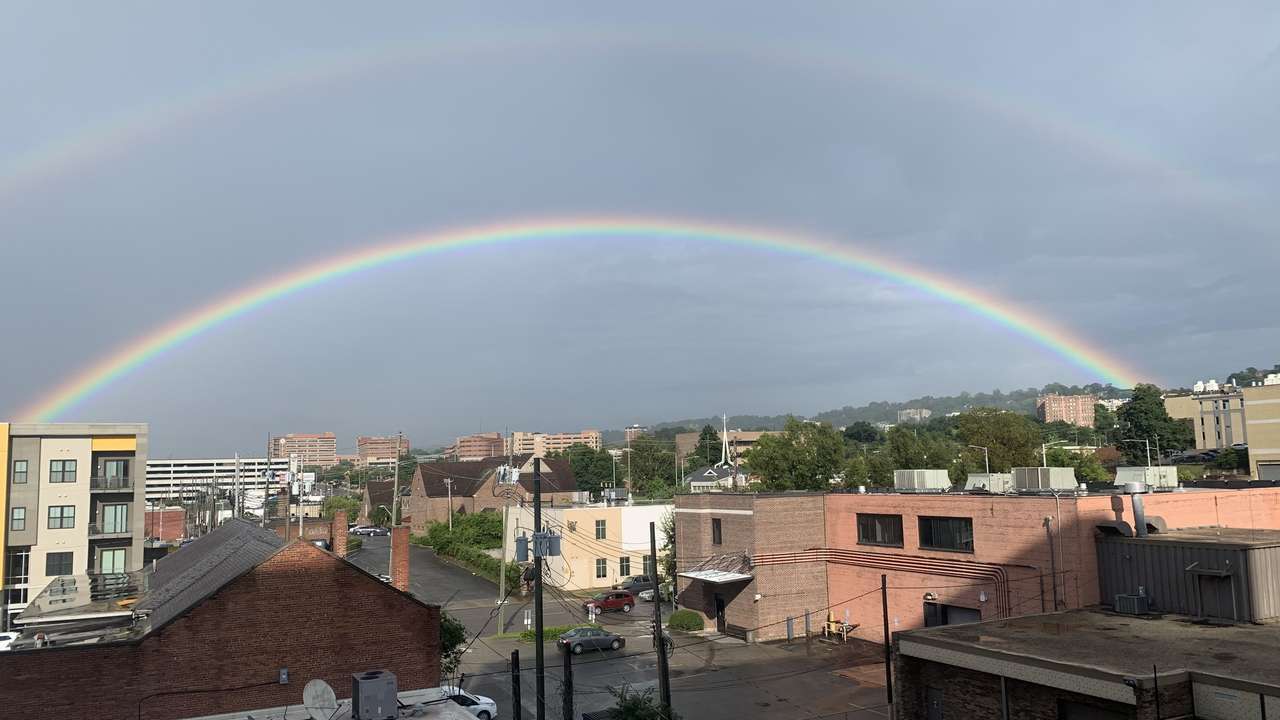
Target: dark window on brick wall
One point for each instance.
(717, 534)
(880, 530)
(946, 533)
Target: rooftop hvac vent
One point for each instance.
(373, 696)
(1035, 479)
(921, 480)
(991, 482)
(1132, 604)
(1165, 476)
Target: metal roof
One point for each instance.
(715, 576)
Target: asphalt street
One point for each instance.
(711, 677)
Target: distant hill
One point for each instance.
(1023, 401)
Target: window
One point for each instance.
(717, 535)
(19, 472)
(58, 563)
(880, 530)
(62, 517)
(600, 531)
(946, 533)
(648, 566)
(624, 566)
(111, 561)
(19, 567)
(62, 471)
(18, 519)
(602, 567)
(115, 518)
(115, 469)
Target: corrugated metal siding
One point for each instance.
(1160, 568)
(1264, 583)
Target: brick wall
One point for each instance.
(167, 524)
(338, 533)
(303, 609)
(400, 558)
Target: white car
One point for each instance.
(647, 595)
(482, 707)
(6, 639)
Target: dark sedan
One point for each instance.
(589, 638)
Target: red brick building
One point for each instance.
(228, 612)
(948, 558)
(166, 524)
(1073, 409)
(478, 485)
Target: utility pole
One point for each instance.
(235, 488)
(516, 710)
(395, 504)
(448, 483)
(1148, 444)
(566, 686)
(659, 639)
(502, 570)
(888, 650)
(540, 671)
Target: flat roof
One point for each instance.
(1100, 644)
(1237, 537)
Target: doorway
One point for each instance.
(720, 623)
(936, 614)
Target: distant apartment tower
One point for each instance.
(913, 415)
(542, 444)
(381, 450)
(72, 495)
(477, 446)
(1074, 409)
(186, 478)
(310, 448)
(1262, 415)
(631, 432)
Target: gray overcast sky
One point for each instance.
(1112, 168)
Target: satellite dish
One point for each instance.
(321, 703)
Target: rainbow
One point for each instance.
(134, 355)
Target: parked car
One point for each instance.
(612, 600)
(590, 638)
(6, 639)
(647, 595)
(369, 530)
(482, 707)
(635, 584)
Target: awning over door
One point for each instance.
(721, 569)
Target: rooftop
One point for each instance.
(1092, 642)
(1234, 537)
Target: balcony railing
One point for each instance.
(111, 483)
(99, 530)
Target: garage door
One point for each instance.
(1269, 471)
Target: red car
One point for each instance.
(611, 600)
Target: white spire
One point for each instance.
(724, 439)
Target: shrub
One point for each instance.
(551, 633)
(687, 620)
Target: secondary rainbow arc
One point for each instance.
(130, 357)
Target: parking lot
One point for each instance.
(713, 676)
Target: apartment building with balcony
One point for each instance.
(320, 449)
(73, 498)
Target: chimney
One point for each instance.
(400, 557)
(338, 533)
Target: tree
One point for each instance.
(653, 469)
(880, 469)
(911, 449)
(708, 449)
(592, 469)
(1012, 440)
(1087, 466)
(1104, 421)
(1232, 460)
(804, 456)
(1144, 418)
(340, 502)
(856, 470)
(862, 432)
(453, 636)
(667, 555)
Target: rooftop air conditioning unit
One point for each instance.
(1035, 479)
(1165, 476)
(921, 480)
(991, 482)
(1132, 604)
(373, 696)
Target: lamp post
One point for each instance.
(448, 483)
(986, 457)
(1044, 451)
(1147, 442)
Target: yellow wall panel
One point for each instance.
(115, 444)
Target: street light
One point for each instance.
(986, 457)
(1044, 451)
(1148, 444)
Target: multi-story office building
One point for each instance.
(541, 444)
(380, 451)
(185, 478)
(1219, 421)
(1074, 409)
(73, 504)
(319, 449)
(476, 447)
(914, 415)
(1262, 417)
